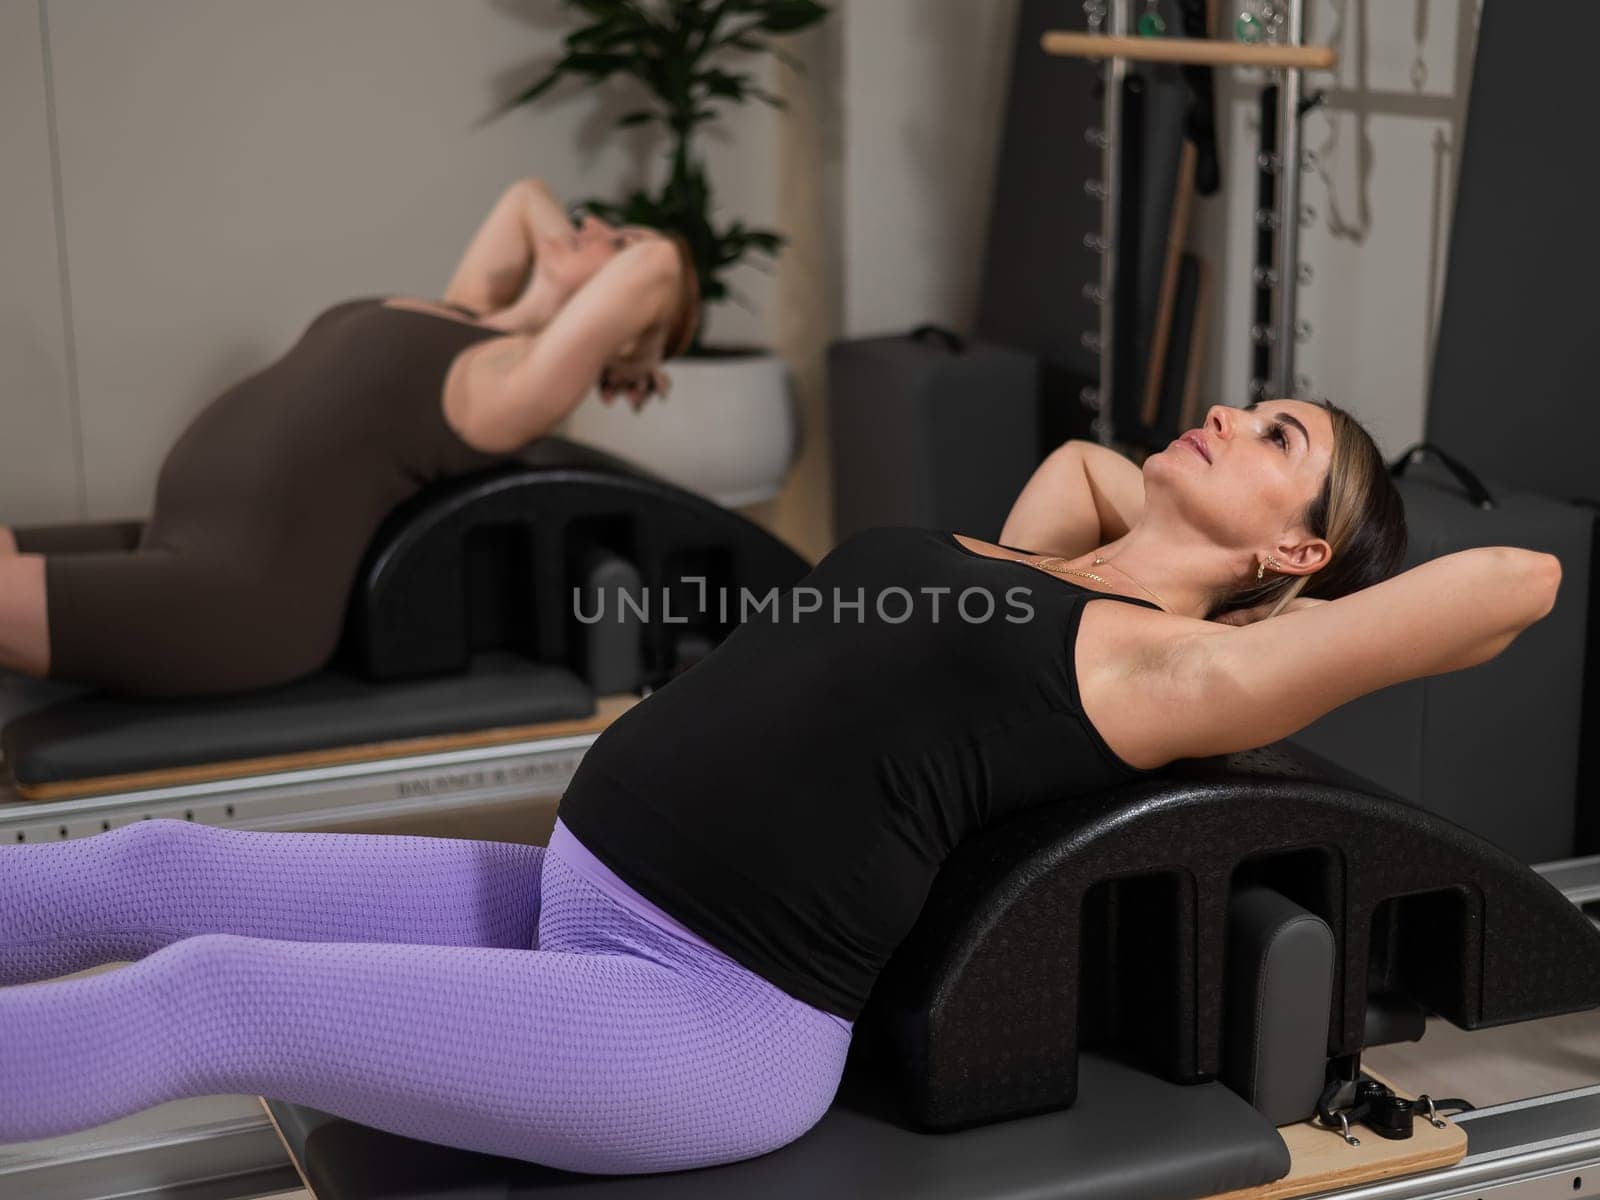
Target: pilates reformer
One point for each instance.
(1148, 995)
(1197, 954)
(1076, 975)
(1142, 996)
(465, 676)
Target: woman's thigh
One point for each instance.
(168, 623)
(586, 1062)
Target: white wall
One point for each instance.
(924, 84)
(228, 168)
(39, 477)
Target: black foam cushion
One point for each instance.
(98, 735)
(1103, 917)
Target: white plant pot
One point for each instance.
(728, 430)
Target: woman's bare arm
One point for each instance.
(498, 261)
(518, 387)
(1082, 496)
(1232, 689)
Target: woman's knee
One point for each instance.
(201, 979)
(24, 619)
(197, 952)
(153, 842)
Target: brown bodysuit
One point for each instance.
(263, 511)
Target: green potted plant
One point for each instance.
(728, 428)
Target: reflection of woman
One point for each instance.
(268, 500)
(673, 983)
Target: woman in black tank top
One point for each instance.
(787, 800)
(267, 501)
(792, 796)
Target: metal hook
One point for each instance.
(1344, 1130)
(1433, 1113)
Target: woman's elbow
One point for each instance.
(1550, 578)
(659, 260)
(1541, 574)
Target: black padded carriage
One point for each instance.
(1075, 980)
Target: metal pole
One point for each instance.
(1111, 197)
(1288, 249)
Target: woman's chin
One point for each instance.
(1166, 460)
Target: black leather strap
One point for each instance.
(1476, 492)
(938, 335)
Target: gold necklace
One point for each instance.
(1063, 570)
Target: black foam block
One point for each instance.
(491, 561)
(1102, 919)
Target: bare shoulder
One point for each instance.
(1133, 679)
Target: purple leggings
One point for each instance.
(487, 995)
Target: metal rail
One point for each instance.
(305, 799)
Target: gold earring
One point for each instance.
(1261, 568)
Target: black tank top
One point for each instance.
(791, 797)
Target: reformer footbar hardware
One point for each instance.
(1378, 1107)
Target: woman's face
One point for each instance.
(577, 258)
(1246, 475)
